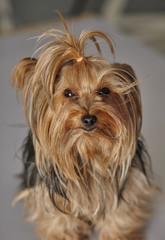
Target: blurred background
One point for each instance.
(143, 19)
(138, 28)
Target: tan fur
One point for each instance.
(59, 137)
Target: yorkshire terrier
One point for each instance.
(85, 165)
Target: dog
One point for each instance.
(85, 164)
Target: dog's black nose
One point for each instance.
(89, 120)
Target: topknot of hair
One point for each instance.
(62, 48)
(70, 48)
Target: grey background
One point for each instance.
(23, 12)
(147, 62)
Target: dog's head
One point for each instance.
(83, 112)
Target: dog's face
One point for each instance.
(83, 114)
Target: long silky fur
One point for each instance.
(31, 177)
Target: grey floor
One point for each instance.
(148, 64)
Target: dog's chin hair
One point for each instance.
(78, 148)
(84, 170)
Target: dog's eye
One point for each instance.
(69, 93)
(104, 91)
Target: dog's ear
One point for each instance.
(23, 72)
(125, 69)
